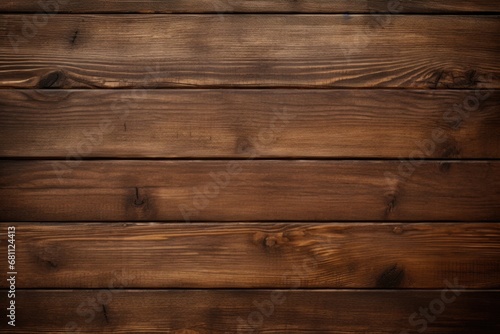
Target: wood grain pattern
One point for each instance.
(167, 163)
(249, 190)
(257, 255)
(153, 51)
(297, 312)
(253, 6)
(279, 123)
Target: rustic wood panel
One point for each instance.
(281, 311)
(136, 164)
(279, 123)
(249, 190)
(256, 255)
(253, 6)
(120, 51)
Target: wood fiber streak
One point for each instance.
(277, 123)
(322, 51)
(212, 311)
(249, 190)
(257, 255)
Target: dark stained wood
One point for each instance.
(279, 123)
(281, 311)
(252, 190)
(256, 255)
(169, 173)
(123, 51)
(253, 6)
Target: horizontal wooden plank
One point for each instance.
(256, 255)
(153, 51)
(249, 190)
(263, 311)
(244, 6)
(278, 123)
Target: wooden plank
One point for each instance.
(263, 311)
(153, 51)
(256, 255)
(249, 190)
(279, 123)
(254, 6)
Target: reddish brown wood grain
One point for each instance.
(218, 311)
(117, 130)
(257, 255)
(278, 123)
(188, 51)
(255, 190)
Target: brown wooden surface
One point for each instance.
(115, 51)
(256, 255)
(118, 128)
(279, 123)
(256, 190)
(253, 6)
(212, 311)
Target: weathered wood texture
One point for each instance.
(256, 255)
(252, 6)
(249, 190)
(328, 51)
(281, 311)
(279, 123)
